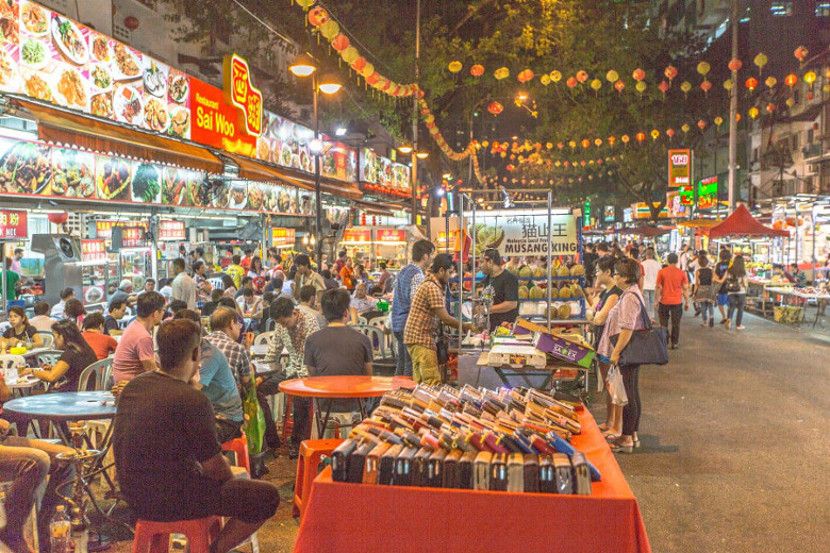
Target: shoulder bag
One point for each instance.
(649, 346)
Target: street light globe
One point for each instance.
(329, 84)
(316, 146)
(303, 66)
(405, 149)
(422, 155)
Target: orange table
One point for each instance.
(357, 518)
(342, 387)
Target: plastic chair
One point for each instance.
(263, 338)
(311, 453)
(239, 448)
(9, 361)
(154, 537)
(100, 371)
(49, 357)
(47, 337)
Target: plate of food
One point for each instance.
(127, 105)
(102, 105)
(101, 77)
(35, 19)
(8, 29)
(194, 192)
(74, 176)
(93, 294)
(238, 197)
(127, 63)
(156, 116)
(25, 169)
(256, 197)
(69, 39)
(146, 184)
(73, 88)
(33, 53)
(38, 87)
(180, 122)
(174, 186)
(220, 193)
(155, 78)
(8, 69)
(178, 88)
(101, 49)
(113, 178)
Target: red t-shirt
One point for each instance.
(670, 279)
(101, 344)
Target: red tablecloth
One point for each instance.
(362, 518)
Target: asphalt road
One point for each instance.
(735, 457)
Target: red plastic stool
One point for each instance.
(239, 448)
(311, 451)
(154, 537)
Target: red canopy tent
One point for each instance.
(742, 224)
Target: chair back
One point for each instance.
(270, 325)
(376, 337)
(48, 357)
(47, 337)
(100, 371)
(263, 338)
(361, 320)
(9, 361)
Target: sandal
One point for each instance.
(618, 447)
(603, 427)
(611, 436)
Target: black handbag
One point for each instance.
(649, 346)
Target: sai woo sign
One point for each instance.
(680, 168)
(13, 224)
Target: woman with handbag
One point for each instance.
(705, 290)
(626, 317)
(736, 289)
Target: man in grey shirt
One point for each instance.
(337, 349)
(183, 286)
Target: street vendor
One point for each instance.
(502, 285)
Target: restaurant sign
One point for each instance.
(93, 249)
(13, 224)
(243, 93)
(527, 233)
(353, 235)
(680, 167)
(394, 236)
(376, 169)
(283, 237)
(172, 230)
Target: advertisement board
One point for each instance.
(380, 170)
(687, 194)
(641, 210)
(172, 230)
(283, 237)
(707, 192)
(608, 214)
(526, 233)
(353, 235)
(13, 224)
(680, 167)
(93, 250)
(394, 236)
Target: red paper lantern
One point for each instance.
(586, 143)
(495, 108)
(571, 82)
(317, 16)
(735, 64)
(670, 132)
(359, 64)
(581, 76)
(751, 83)
(791, 80)
(701, 124)
(706, 86)
(641, 136)
(663, 86)
(525, 75)
(619, 86)
(477, 70)
(638, 74)
(670, 72)
(340, 42)
(58, 218)
(800, 53)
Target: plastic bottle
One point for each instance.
(60, 531)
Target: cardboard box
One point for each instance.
(564, 349)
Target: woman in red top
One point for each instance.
(102, 344)
(347, 275)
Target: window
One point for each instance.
(810, 136)
(822, 9)
(781, 7)
(794, 142)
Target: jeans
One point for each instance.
(707, 308)
(26, 463)
(633, 409)
(736, 301)
(268, 387)
(673, 312)
(403, 363)
(648, 295)
(302, 420)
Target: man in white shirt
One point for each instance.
(183, 287)
(42, 321)
(650, 269)
(66, 295)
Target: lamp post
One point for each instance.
(304, 67)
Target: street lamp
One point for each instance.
(405, 149)
(422, 154)
(328, 84)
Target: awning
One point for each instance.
(742, 224)
(252, 169)
(700, 223)
(59, 126)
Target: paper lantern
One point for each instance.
(718, 121)
(625, 139)
(572, 144)
(586, 143)
(612, 140)
(638, 74)
(760, 60)
(581, 76)
(735, 64)
(771, 81)
(317, 16)
(501, 73)
(655, 134)
(640, 86)
(737, 117)
(545, 79)
(571, 82)
(619, 86)
(685, 86)
(706, 86)
(555, 76)
(790, 102)
(670, 72)
(685, 127)
(454, 66)
(670, 132)
(791, 80)
(349, 55)
(751, 83)
(612, 76)
(597, 142)
(560, 145)
(495, 108)
(330, 29)
(557, 163)
(770, 107)
(305, 4)
(583, 163)
(753, 112)
(641, 136)
(58, 218)
(809, 77)
(524, 76)
(549, 145)
(727, 84)
(701, 124)
(800, 53)
(367, 70)
(664, 87)
(703, 68)
(596, 84)
(477, 70)
(340, 42)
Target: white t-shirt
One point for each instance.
(184, 289)
(651, 267)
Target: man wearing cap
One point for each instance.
(503, 286)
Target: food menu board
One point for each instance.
(103, 229)
(172, 230)
(390, 235)
(93, 250)
(283, 237)
(13, 224)
(133, 237)
(383, 171)
(57, 60)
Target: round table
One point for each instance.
(357, 387)
(64, 406)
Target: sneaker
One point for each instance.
(740, 327)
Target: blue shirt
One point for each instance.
(402, 298)
(218, 383)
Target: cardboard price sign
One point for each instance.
(13, 224)
(680, 168)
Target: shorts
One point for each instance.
(424, 365)
(723, 299)
(250, 501)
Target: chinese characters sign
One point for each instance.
(172, 230)
(527, 233)
(680, 167)
(93, 250)
(13, 224)
(283, 237)
(243, 93)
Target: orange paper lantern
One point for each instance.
(477, 70)
(751, 83)
(638, 74)
(735, 64)
(670, 72)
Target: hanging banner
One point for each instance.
(93, 250)
(353, 235)
(527, 233)
(13, 224)
(680, 168)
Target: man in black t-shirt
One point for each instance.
(505, 288)
(720, 283)
(169, 463)
(337, 349)
(116, 311)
